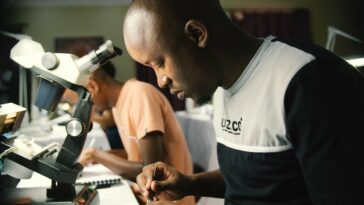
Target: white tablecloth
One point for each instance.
(201, 140)
(200, 134)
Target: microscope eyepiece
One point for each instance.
(96, 58)
(118, 51)
(105, 52)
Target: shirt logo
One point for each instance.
(232, 127)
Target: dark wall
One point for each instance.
(9, 71)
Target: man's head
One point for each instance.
(176, 39)
(98, 86)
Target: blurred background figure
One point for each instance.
(104, 118)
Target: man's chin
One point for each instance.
(199, 101)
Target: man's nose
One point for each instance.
(163, 81)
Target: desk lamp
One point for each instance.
(330, 44)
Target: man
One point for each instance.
(288, 116)
(147, 125)
(105, 118)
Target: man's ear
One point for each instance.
(197, 32)
(92, 86)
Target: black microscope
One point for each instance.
(57, 71)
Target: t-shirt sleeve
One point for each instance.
(324, 113)
(146, 111)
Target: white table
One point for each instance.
(200, 135)
(116, 194)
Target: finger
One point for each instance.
(149, 174)
(165, 179)
(141, 181)
(160, 186)
(84, 160)
(136, 190)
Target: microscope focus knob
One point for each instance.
(50, 61)
(75, 128)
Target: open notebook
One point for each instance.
(98, 175)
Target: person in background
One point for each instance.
(147, 125)
(104, 118)
(288, 115)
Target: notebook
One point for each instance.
(98, 175)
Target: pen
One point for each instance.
(92, 142)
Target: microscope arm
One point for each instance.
(77, 130)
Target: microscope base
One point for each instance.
(38, 196)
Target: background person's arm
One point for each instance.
(151, 149)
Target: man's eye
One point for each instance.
(160, 65)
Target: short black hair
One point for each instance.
(109, 69)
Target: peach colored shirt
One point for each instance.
(140, 109)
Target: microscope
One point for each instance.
(57, 71)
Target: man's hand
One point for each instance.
(162, 181)
(87, 156)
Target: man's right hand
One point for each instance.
(162, 182)
(87, 156)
